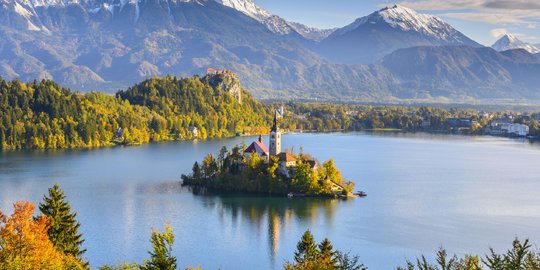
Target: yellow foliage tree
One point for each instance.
(24, 243)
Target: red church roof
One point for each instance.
(257, 147)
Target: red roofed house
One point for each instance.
(259, 148)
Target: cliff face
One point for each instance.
(227, 81)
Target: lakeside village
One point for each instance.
(270, 171)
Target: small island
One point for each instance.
(259, 169)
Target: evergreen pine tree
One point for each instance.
(161, 257)
(64, 230)
(197, 174)
(327, 254)
(307, 253)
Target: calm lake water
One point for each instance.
(466, 193)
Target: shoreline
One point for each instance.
(367, 131)
(209, 191)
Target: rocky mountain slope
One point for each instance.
(112, 44)
(275, 23)
(462, 71)
(83, 43)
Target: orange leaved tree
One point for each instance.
(24, 243)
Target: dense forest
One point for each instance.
(331, 117)
(44, 115)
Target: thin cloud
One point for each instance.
(513, 4)
(498, 32)
(492, 18)
(517, 12)
(473, 4)
(444, 5)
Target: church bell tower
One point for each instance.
(275, 138)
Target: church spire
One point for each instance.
(275, 137)
(275, 125)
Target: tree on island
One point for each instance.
(209, 166)
(64, 229)
(197, 173)
(332, 172)
(304, 179)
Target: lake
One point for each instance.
(424, 191)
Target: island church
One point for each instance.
(285, 160)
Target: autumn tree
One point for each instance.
(64, 230)
(303, 179)
(332, 172)
(209, 166)
(25, 244)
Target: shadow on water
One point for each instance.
(276, 214)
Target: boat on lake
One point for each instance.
(360, 194)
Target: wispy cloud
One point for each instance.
(513, 4)
(492, 18)
(498, 32)
(518, 12)
(443, 5)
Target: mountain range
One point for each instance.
(394, 53)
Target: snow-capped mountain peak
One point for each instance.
(405, 19)
(247, 7)
(408, 19)
(47, 3)
(510, 42)
(275, 23)
(388, 29)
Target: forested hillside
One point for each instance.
(208, 103)
(43, 115)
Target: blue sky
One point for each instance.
(482, 20)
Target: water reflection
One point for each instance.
(466, 193)
(273, 214)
